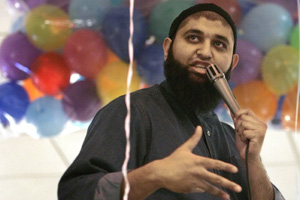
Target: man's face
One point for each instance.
(201, 42)
(198, 43)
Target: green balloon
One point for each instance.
(162, 16)
(48, 27)
(294, 38)
(280, 68)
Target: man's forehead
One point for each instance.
(204, 24)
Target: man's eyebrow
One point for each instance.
(194, 31)
(223, 38)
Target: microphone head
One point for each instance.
(213, 72)
(218, 80)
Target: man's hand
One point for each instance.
(185, 172)
(249, 128)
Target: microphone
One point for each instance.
(217, 78)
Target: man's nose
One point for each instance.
(204, 50)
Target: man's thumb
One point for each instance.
(194, 139)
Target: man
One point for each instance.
(179, 148)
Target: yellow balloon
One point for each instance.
(280, 68)
(112, 81)
(48, 27)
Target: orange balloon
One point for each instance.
(257, 96)
(112, 57)
(32, 91)
(289, 108)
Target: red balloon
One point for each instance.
(50, 74)
(85, 52)
(231, 6)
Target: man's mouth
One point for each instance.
(200, 66)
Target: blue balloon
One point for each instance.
(88, 13)
(267, 25)
(150, 64)
(276, 121)
(223, 113)
(18, 25)
(115, 29)
(246, 6)
(47, 115)
(14, 102)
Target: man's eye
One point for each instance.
(193, 38)
(220, 44)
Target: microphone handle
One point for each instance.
(223, 88)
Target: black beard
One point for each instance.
(195, 94)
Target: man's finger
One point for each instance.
(210, 163)
(221, 181)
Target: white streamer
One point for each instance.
(298, 91)
(127, 101)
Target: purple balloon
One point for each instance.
(17, 54)
(26, 5)
(250, 59)
(80, 100)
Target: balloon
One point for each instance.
(48, 27)
(116, 2)
(267, 25)
(150, 64)
(18, 24)
(26, 5)
(50, 74)
(280, 68)
(47, 115)
(162, 16)
(144, 6)
(77, 107)
(19, 6)
(13, 102)
(249, 65)
(116, 31)
(112, 57)
(85, 52)
(88, 13)
(277, 118)
(16, 56)
(112, 81)
(290, 108)
(223, 113)
(257, 96)
(294, 38)
(232, 7)
(289, 5)
(246, 6)
(31, 89)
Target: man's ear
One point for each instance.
(235, 60)
(166, 46)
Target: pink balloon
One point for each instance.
(231, 6)
(85, 52)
